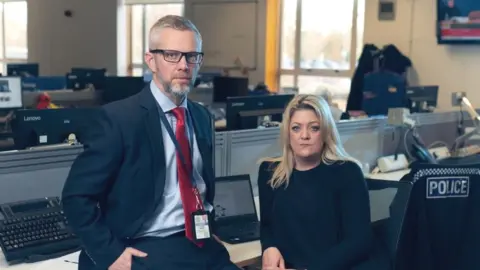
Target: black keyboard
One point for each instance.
(239, 232)
(37, 237)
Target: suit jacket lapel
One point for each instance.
(203, 141)
(154, 133)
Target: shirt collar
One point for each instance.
(165, 103)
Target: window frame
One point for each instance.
(129, 4)
(297, 70)
(3, 59)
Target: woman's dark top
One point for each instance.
(321, 221)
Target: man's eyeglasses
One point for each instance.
(175, 56)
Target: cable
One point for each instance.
(440, 143)
(405, 145)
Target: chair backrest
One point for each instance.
(388, 204)
(442, 216)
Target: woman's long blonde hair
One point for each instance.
(332, 150)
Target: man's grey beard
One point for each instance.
(180, 94)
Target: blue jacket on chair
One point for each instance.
(383, 90)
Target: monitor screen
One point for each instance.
(255, 111)
(233, 198)
(91, 76)
(388, 204)
(23, 69)
(422, 98)
(10, 92)
(224, 87)
(118, 88)
(53, 126)
(458, 21)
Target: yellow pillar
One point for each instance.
(272, 44)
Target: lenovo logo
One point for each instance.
(32, 118)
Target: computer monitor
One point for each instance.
(118, 88)
(250, 112)
(422, 98)
(52, 126)
(206, 78)
(224, 87)
(91, 76)
(23, 69)
(44, 83)
(11, 93)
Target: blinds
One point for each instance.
(149, 2)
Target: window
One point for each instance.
(13, 32)
(320, 45)
(142, 17)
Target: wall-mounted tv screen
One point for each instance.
(458, 21)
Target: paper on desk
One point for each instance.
(67, 262)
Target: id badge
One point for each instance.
(201, 225)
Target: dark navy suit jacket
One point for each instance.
(116, 183)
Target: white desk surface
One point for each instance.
(393, 176)
(241, 254)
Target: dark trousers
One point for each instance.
(174, 252)
(177, 252)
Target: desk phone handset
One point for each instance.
(35, 230)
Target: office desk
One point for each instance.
(242, 255)
(393, 176)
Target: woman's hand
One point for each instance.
(272, 259)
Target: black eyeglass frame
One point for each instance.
(183, 54)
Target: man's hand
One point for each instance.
(272, 259)
(217, 239)
(124, 262)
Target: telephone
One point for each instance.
(421, 152)
(35, 230)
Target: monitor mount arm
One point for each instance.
(475, 117)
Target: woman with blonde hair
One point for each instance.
(314, 203)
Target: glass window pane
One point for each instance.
(137, 36)
(3, 69)
(1, 36)
(289, 26)
(338, 87)
(137, 72)
(287, 81)
(155, 12)
(360, 26)
(15, 16)
(326, 34)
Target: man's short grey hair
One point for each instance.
(173, 22)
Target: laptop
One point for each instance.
(388, 205)
(235, 211)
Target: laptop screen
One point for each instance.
(233, 197)
(388, 204)
(387, 198)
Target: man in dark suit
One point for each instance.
(133, 196)
(447, 10)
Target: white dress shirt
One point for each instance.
(168, 217)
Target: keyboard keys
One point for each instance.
(33, 230)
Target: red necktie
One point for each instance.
(190, 198)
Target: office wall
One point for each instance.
(453, 68)
(87, 39)
(228, 18)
